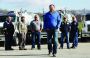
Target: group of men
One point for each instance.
(69, 30)
(52, 22)
(35, 27)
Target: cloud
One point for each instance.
(10, 1)
(34, 4)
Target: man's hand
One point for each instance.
(39, 30)
(5, 29)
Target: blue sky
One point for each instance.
(38, 5)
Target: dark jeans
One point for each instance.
(52, 38)
(75, 39)
(36, 35)
(8, 41)
(64, 35)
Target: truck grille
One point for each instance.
(88, 27)
(1, 31)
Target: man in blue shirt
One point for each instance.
(52, 22)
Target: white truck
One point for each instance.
(86, 30)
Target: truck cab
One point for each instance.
(86, 30)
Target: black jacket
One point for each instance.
(65, 27)
(8, 28)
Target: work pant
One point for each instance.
(22, 40)
(52, 40)
(64, 35)
(36, 35)
(75, 39)
(8, 41)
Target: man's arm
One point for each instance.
(40, 26)
(4, 27)
(69, 27)
(58, 21)
(31, 26)
(20, 27)
(61, 27)
(45, 22)
(13, 29)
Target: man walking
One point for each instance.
(52, 22)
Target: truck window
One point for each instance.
(3, 18)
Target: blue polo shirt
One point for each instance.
(52, 20)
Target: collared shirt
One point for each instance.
(35, 25)
(52, 20)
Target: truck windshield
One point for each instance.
(87, 17)
(3, 18)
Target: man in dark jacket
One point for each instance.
(74, 32)
(65, 28)
(8, 28)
